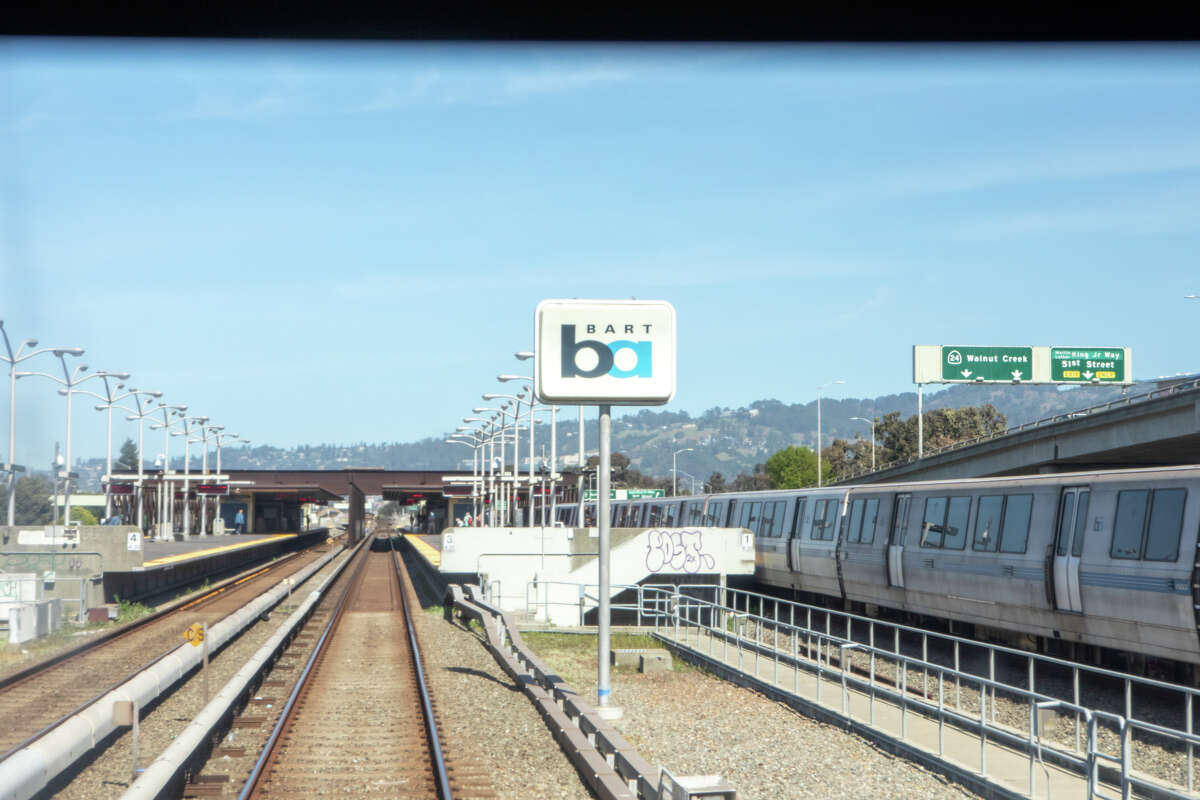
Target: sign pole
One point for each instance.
(603, 689)
(204, 635)
(920, 425)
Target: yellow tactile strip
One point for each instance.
(192, 554)
(428, 551)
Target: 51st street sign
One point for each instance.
(1089, 365)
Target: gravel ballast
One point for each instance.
(686, 720)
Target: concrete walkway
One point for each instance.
(987, 765)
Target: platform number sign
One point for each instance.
(133, 541)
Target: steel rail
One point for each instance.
(111, 638)
(250, 788)
(435, 747)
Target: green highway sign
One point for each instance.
(623, 494)
(962, 364)
(1089, 365)
(635, 494)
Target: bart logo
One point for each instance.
(606, 356)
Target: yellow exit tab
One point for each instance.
(1071, 373)
(1106, 374)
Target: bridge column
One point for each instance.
(356, 513)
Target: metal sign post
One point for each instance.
(126, 712)
(604, 353)
(603, 504)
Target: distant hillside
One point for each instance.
(725, 440)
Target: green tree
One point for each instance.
(792, 468)
(83, 516)
(755, 482)
(897, 438)
(33, 505)
(128, 460)
(844, 457)
(716, 483)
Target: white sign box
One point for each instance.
(605, 352)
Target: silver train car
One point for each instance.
(1103, 559)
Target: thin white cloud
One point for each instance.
(265, 104)
(1176, 209)
(1078, 163)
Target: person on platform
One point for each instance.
(239, 521)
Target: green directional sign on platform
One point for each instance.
(1089, 365)
(961, 364)
(635, 494)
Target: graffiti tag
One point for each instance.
(681, 550)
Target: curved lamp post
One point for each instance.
(674, 481)
(870, 422)
(14, 358)
(71, 379)
(167, 501)
(143, 411)
(107, 401)
(220, 437)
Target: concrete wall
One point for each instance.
(69, 563)
(542, 568)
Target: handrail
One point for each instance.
(1051, 420)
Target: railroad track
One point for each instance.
(360, 721)
(36, 699)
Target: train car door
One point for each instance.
(794, 532)
(895, 554)
(1068, 547)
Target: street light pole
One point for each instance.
(70, 380)
(674, 480)
(140, 415)
(870, 422)
(220, 437)
(13, 359)
(819, 388)
(165, 517)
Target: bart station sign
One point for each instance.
(605, 352)
(979, 364)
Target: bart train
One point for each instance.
(1104, 559)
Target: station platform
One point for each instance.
(171, 565)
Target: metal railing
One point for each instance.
(753, 625)
(1186, 386)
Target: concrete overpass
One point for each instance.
(353, 483)
(1158, 428)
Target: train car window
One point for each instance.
(750, 516)
(818, 521)
(766, 522)
(1014, 535)
(1081, 522)
(1065, 510)
(854, 529)
(798, 516)
(669, 515)
(655, 515)
(955, 536)
(780, 513)
(712, 518)
(1130, 523)
(824, 523)
(934, 527)
(987, 523)
(900, 519)
(870, 516)
(1166, 521)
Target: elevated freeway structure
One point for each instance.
(1156, 428)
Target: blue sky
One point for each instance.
(333, 243)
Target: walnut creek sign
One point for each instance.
(975, 364)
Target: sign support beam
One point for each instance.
(603, 506)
